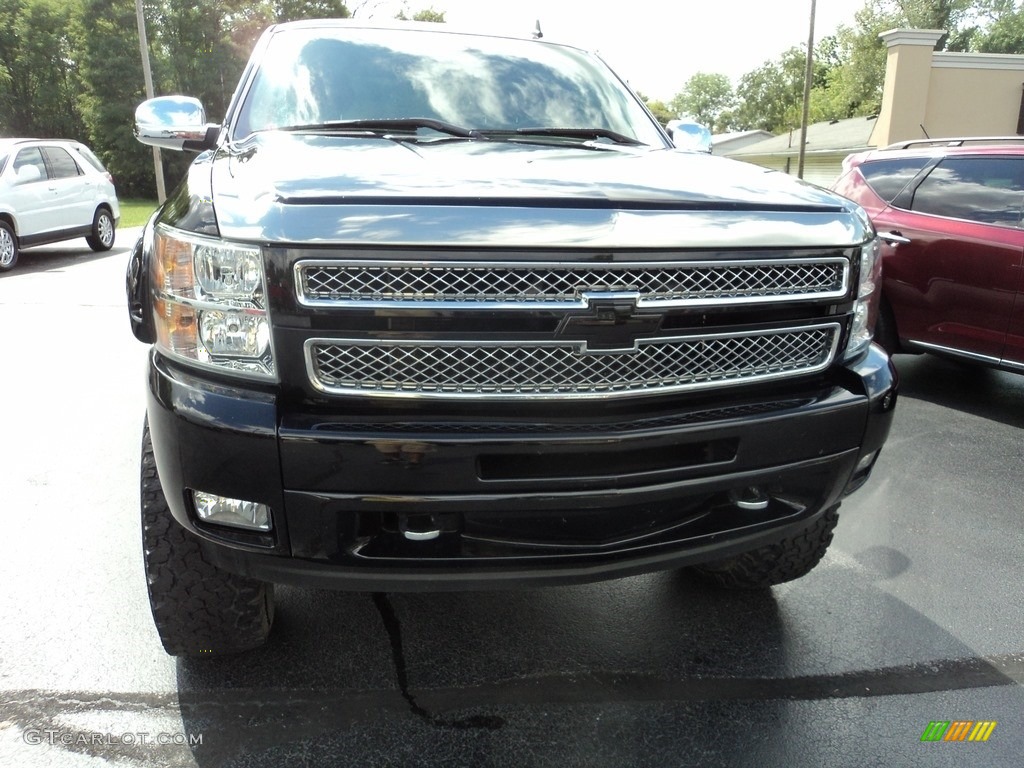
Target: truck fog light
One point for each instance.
(865, 462)
(234, 512)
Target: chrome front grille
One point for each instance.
(486, 285)
(564, 369)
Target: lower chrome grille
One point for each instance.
(564, 369)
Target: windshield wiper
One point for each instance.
(402, 126)
(568, 133)
(405, 125)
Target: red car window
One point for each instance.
(62, 166)
(888, 177)
(989, 190)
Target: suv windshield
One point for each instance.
(312, 76)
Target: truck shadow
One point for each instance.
(654, 670)
(467, 668)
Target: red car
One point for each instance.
(949, 213)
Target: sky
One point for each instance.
(656, 45)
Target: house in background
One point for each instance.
(927, 94)
(827, 145)
(724, 143)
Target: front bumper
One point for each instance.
(384, 502)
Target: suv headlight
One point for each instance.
(209, 302)
(865, 309)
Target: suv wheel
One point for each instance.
(199, 609)
(102, 237)
(785, 560)
(8, 247)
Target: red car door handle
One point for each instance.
(894, 238)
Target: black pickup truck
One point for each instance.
(435, 310)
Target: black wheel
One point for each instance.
(102, 237)
(199, 609)
(784, 560)
(886, 334)
(8, 247)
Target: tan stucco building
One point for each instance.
(927, 94)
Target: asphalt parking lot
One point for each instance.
(914, 617)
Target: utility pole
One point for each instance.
(808, 73)
(147, 73)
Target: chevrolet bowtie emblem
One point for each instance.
(610, 325)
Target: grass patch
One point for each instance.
(135, 212)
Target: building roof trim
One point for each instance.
(928, 37)
(950, 60)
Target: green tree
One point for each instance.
(705, 98)
(293, 10)
(770, 97)
(427, 14)
(39, 78)
(112, 86)
(72, 67)
(661, 111)
(849, 67)
(193, 51)
(854, 86)
(245, 20)
(199, 47)
(1005, 33)
(948, 15)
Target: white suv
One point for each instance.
(53, 190)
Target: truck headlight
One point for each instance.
(209, 303)
(865, 309)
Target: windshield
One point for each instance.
(313, 75)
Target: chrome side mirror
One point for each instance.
(687, 134)
(175, 122)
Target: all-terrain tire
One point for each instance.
(199, 609)
(776, 563)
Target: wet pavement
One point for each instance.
(914, 616)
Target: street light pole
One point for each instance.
(147, 73)
(808, 73)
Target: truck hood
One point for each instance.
(309, 188)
